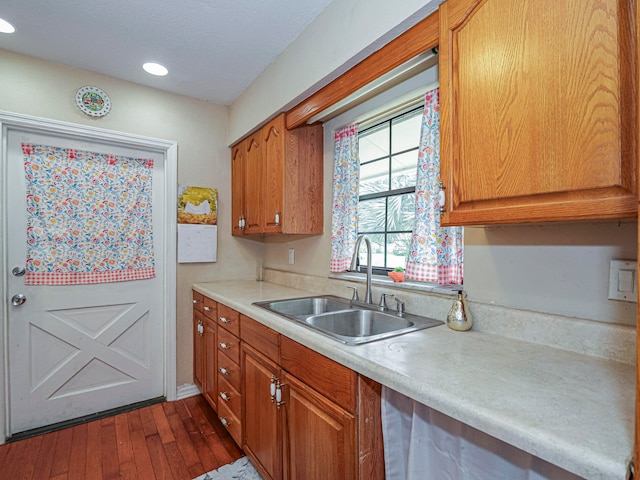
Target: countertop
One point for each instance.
(572, 410)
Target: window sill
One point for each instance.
(406, 285)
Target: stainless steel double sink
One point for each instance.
(352, 325)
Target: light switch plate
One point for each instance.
(626, 290)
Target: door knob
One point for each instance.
(18, 271)
(18, 299)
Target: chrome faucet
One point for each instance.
(367, 296)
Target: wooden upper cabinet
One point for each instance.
(537, 110)
(237, 189)
(283, 180)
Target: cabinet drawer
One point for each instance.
(331, 379)
(228, 395)
(229, 369)
(230, 422)
(260, 337)
(228, 318)
(209, 308)
(198, 301)
(229, 344)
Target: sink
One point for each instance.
(306, 306)
(333, 316)
(358, 323)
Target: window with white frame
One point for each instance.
(388, 153)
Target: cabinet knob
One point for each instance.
(224, 371)
(224, 396)
(224, 421)
(224, 346)
(194, 301)
(224, 320)
(207, 309)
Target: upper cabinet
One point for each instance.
(277, 181)
(538, 102)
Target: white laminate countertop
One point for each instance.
(572, 410)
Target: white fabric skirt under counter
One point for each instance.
(421, 443)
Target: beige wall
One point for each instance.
(34, 87)
(342, 35)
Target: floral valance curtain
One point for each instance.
(89, 217)
(344, 214)
(436, 253)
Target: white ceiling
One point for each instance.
(213, 49)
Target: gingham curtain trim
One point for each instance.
(340, 264)
(441, 274)
(49, 278)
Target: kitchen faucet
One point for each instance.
(367, 296)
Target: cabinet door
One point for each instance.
(237, 188)
(320, 436)
(198, 349)
(262, 438)
(274, 137)
(537, 110)
(209, 388)
(253, 181)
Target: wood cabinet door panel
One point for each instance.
(198, 349)
(274, 138)
(537, 104)
(237, 188)
(209, 388)
(262, 433)
(320, 440)
(253, 182)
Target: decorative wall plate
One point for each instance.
(93, 101)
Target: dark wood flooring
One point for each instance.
(172, 440)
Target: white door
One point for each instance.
(77, 350)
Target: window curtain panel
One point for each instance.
(435, 253)
(344, 213)
(89, 217)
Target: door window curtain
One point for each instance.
(344, 212)
(89, 217)
(435, 253)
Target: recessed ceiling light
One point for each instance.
(6, 27)
(155, 69)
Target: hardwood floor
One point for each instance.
(171, 440)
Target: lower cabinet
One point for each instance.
(320, 436)
(296, 413)
(302, 414)
(262, 426)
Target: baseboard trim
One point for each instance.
(187, 390)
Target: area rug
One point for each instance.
(241, 469)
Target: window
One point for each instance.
(388, 153)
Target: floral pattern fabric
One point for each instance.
(89, 217)
(436, 253)
(344, 214)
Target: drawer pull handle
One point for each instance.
(224, 320)
(224, 346)
(272, 388)
(194, 301)
(224, 371)
(207, 309)
(224, 396)
(225, 422)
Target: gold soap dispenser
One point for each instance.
(459, 317)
